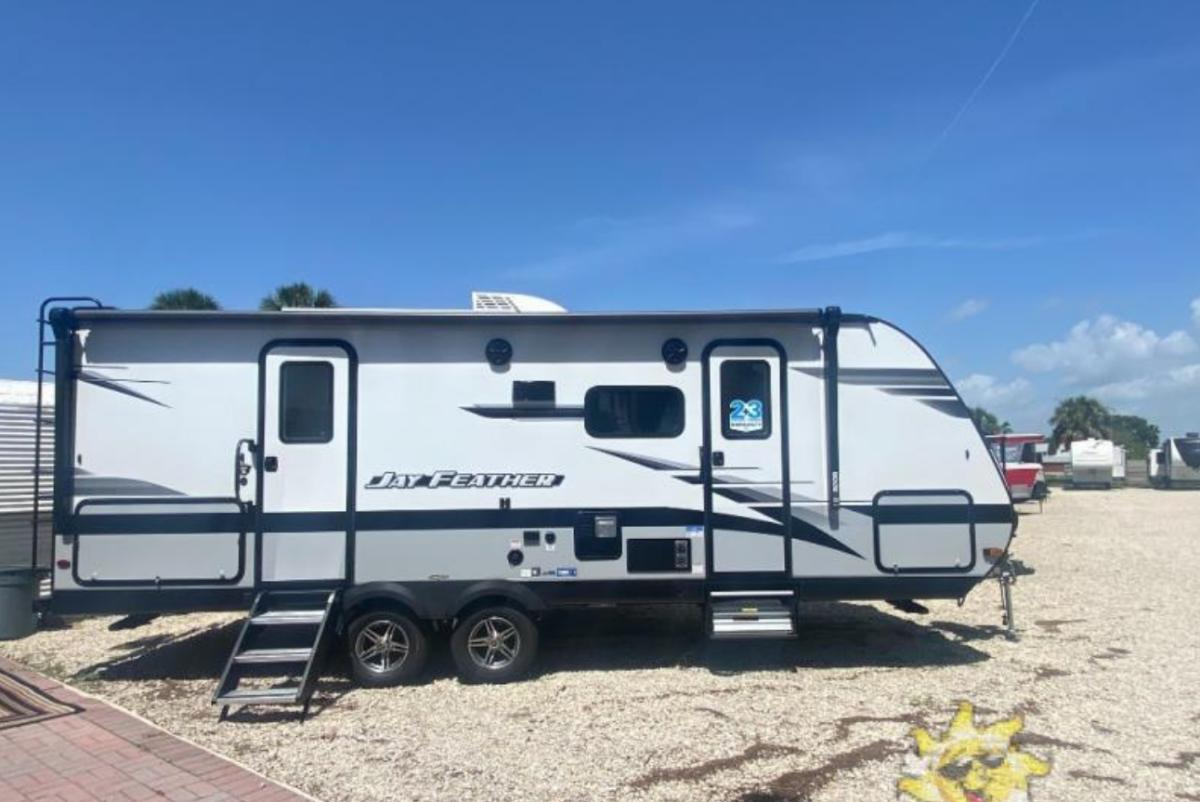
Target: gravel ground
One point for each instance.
(638, 706)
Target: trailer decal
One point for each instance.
(394, 480)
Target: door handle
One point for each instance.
(718, 459)
(270, 464)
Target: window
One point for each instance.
(633, 412)
(745, 399)
(306, 402)
(533, 394)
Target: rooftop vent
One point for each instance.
(511, 302)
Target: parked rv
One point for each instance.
(1092, 463)
(1118, 471)
(388, 475)
(1181, 461)
(1020, 459)
(1154, 465)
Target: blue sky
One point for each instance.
(1037, 230)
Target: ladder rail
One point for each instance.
(222, 688)
(38, 423)
(308, 680)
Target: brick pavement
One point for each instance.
(104, 753)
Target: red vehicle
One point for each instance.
(1017, 455)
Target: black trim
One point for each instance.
(925, 514)
(831, 322)
(525, 412)
(62, 321)
(157, 524)
(443, 600)
(348, 520)
(706, 472)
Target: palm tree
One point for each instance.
(185, 298)
(988, 423)
(298, 294)
(1079, 418)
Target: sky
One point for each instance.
(1013, 183)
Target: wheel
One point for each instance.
(495, 644)
(386, 649)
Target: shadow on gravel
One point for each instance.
(832, 635)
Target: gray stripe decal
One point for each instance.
(109, 384)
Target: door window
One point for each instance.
(745, 399)
(306, 402)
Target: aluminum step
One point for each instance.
(286, 617)
(288, 694)
(751, 617)
(262, 656)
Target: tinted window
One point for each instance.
(306, 402)
(745, 399)
(633, 412)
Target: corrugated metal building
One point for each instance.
(18, 408)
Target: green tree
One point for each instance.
(1079, 418)
(299, 294)
(988, 423)
(184, 298)
(1137, 434)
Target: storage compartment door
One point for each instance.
(924, 531)
(160, 542)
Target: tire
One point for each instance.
(494, 645)
(405, 649)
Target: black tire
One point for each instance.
(511, 631)
(388, 668)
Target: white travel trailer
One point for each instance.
(1118, 472)
(393, 474)
(1092, 463)
(1181, 461)
(1154, 466)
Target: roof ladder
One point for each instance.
(278, 655)
(751, 614)
(39, 420)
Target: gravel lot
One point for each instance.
(638, 706)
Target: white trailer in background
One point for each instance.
(394, 474)
(1154, 467)
(1181, 461)
(1119, 464)
(1092, 463)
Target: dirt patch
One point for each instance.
(843, 726)
(756, 751)
(1182, 762)
(1078, 774)
(800, 786)
(1049, 672)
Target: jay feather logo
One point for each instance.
(394, 480)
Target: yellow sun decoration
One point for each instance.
(968, 764)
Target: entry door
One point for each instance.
(746, 485)
(305, 462)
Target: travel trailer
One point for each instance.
(1181, 461)
(1092, 463)
(1020, 459)
(1154, 464)
(387, 476)
(1118, 471)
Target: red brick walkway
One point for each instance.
(104, 753)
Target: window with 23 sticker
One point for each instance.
(745, 399)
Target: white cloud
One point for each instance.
(1163, 384)
(1196, 311)
(898, 240)
(968, 308)
(980, 389)
(1105, 350)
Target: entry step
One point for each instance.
(259, 696)
(284, 617)
(273, 656)
(752, 616)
